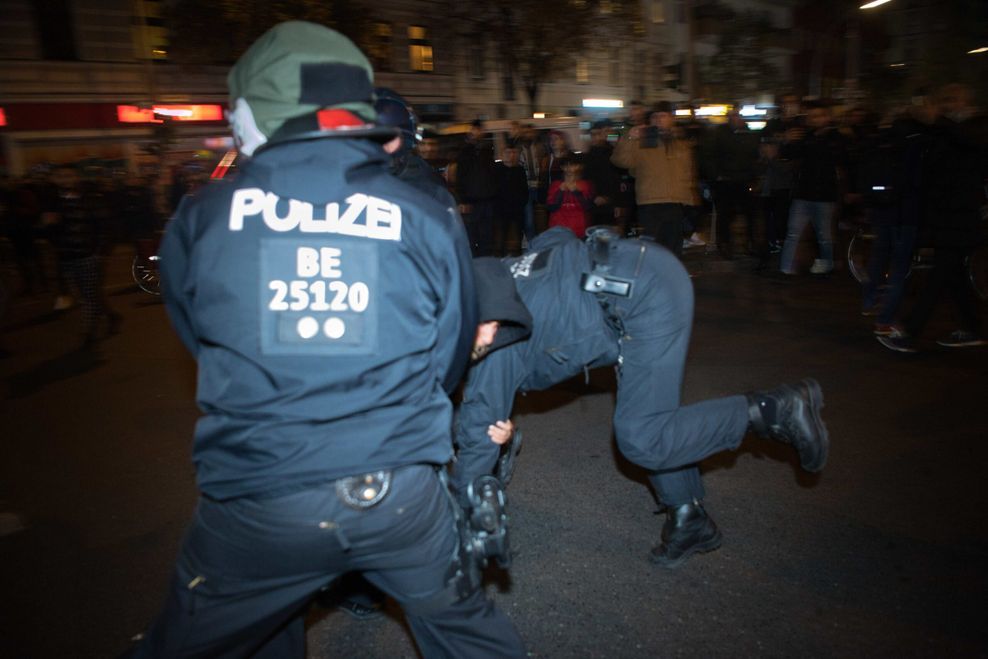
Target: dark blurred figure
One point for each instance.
(860, 130)
(22, 210)
(637, 116)
(891, 182)
(695, 131)
(531, 155)
(73, 215)
(732, 155)
(137, 211)
(956, 193)
(777, 171)
(428, 150)
(559, 151)
(512, 198)
(820, 154)
(476, 187)
(662, 161)
(602, 175)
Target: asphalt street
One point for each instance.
(882, 555)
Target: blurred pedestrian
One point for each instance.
(22, 213)
(661, 160)
(956, 187)
(891, 176)
(73, 215)
(603, 176)
(476, 187)
(532, 157)
(512, 199)
(732, 152)
(819, 150)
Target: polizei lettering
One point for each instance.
(362, 215)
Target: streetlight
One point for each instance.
(873, 4)
(976, 51)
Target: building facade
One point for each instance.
(92, 79)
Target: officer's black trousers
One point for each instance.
(651, 428)
(248, 568)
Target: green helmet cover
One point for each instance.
(274, 75)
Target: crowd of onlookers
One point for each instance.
(916, 175)
(61, 221)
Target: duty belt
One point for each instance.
(364, 491)
(600, 279)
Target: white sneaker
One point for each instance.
(695, 240)
(821, 267)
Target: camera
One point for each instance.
(650, 139)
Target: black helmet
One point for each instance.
(393, 110)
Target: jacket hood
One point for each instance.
(498, 299)
(311, 170)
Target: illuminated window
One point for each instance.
(658, 11)
(378, 47)
(419, 49)
(582, 70)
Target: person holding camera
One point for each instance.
(661, 160)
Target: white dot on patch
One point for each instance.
(308, 327)
(334, 328)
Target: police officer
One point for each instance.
(393, 110)
(329, 307)
(630, 303)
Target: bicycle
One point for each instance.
(144, 268)
(859, 251)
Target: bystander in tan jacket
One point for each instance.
(664, 174)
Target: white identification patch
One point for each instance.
(523, 266)
(363, 216)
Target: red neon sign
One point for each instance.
(3, 117)
(131, 114)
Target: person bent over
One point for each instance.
(626, 302)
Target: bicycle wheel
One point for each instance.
(858, 251)
(145, 273)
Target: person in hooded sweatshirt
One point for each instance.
(330, 309)
(630, 303)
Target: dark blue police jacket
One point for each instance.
(330, 309)
(646, 332)
(569, 332)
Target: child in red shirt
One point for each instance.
(569, 201)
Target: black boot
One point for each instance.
(791, 414)
(687, 531)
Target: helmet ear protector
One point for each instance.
(247, 136)
(393, 110)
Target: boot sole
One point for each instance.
(815, 395)
(702, 548)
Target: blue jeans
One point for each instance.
(802, 212)
(892, 249)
